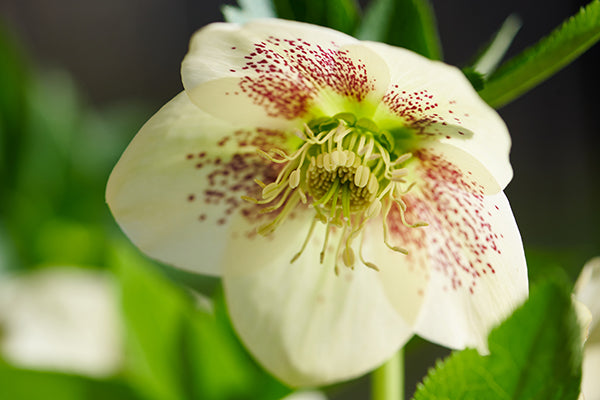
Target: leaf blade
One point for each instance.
(548, 56)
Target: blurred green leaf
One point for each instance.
(405, 23)
(56, 153)
(14, 81)
(547, 57)
(179, 350)
(535, 354)
(20, 384)
(342, 15)
(488, 59)
(248, 10)
(557, 261)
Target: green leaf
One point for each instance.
(534, 354)
(248, 10)
(178, 350)
(405, 23)
(14, 81)
(548, 56)
(476, 78)
(37, 385)
(342, 15)
(153, 312)
(492, 54)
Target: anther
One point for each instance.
(294, 179)
(348, 257)
(361, 176)
(398, 174)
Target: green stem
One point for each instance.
(387, 381)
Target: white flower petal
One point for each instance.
(270, 72)
(471, 250)
(180, 180)
(590, 384)
(587, 290)
(306, 395)
(303, 323)
(465, 301)
(440, 103)
(63, 319)
(403, 276)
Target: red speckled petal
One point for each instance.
(175, 188)
(304, 324)
(271, 72)
(438, 102)
(471, 252)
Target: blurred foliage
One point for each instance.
(405, 23)
(20, 384)
(55, 158)
(341, 15)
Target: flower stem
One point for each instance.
(387, 381)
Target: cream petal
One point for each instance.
(471, 252)
(304, 324)
(403, 276)
(63, 319)
(272, 72)
(590, 384)
(439, 103)
(587, 291)
(456, 167)
(175, 188)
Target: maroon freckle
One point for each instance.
(232, 70)
(191, 197)
(202, 154)
(199, 165)
(221, 221)
(202, 217)
(189, 156)
(233, 48)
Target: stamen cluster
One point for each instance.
(343, 170)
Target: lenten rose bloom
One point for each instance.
(349, 194)
(587, 291)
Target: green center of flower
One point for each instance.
(348, 171)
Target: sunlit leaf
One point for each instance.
(489, 58)
(248, 10)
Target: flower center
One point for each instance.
(348, 171)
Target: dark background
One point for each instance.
(119, 51)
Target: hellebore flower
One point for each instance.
(61, 318)
(587, 291)
(349, 193)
